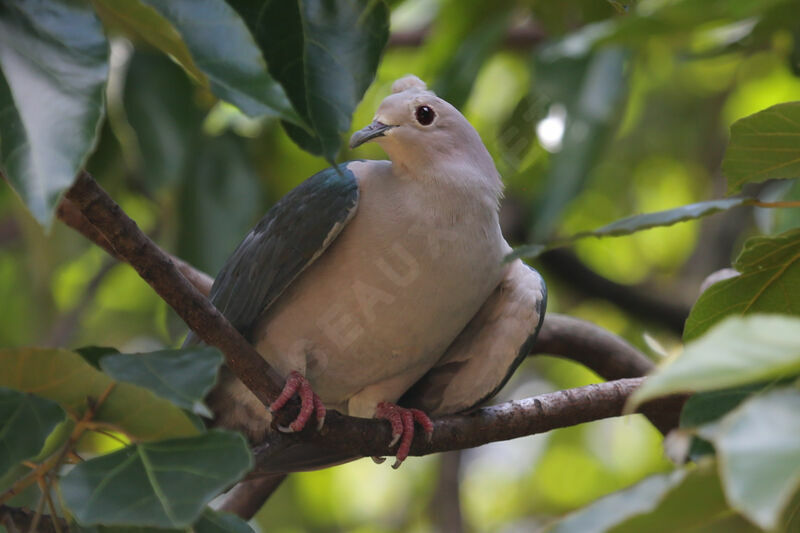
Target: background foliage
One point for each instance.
(197, 116)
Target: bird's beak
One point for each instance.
(376, 129)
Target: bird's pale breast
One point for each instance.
(391, 293)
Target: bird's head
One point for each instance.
(426, 135)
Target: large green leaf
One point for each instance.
(64, 377)
(325, 54)
(684, 500)
(738, 351)
(25, 423)
(763, 146)
(758, 446)
(53, 70)
(769, 283)
(220, 46)
(183, 377)
(159, 484)
(632, 224)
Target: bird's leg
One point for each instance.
(402, 421)
(309, 402)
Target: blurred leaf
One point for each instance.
(325, 54)
(219, 202)
(764, 146)
(159, 484)
(738, 351)
(134, 18)
(160, 108)
(769, 279)
(53, 69)
(707, 407)
(92, 354)
(210, 521)
(221, 47)
(697, 504)
(476, 33)
(183, 377)
(592, 111)
(758, 446)
(64, 377)
(679, 501)
(675, 19)
(635, 223)
(25, 423)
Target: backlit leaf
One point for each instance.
(738, 351)
(769, 282)
(64, 377)
(763, 146)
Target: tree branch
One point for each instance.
(159, 271)
(360, 437)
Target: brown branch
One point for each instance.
(159, 271)
(637, 300)
(246, 498)
(359, 437)
(610, 356)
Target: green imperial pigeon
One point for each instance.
(378, 288)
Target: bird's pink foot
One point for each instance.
(402, 421)
(309, 402)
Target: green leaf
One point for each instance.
(769, 283)
(598, 85)
(53, 70)
(93, 354)
(764, 146)
(183, 377)
(25, 423)
(210, 521)
(758, 446)
(683, 500)
(708, 407)
(737, 351)
(220, 46)
(159, 484)
(135, 19)
(64, 377)
(325, 54)
(632, 224)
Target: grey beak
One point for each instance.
(376, 129)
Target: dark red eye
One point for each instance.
(425, 115)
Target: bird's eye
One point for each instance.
(425, 115)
